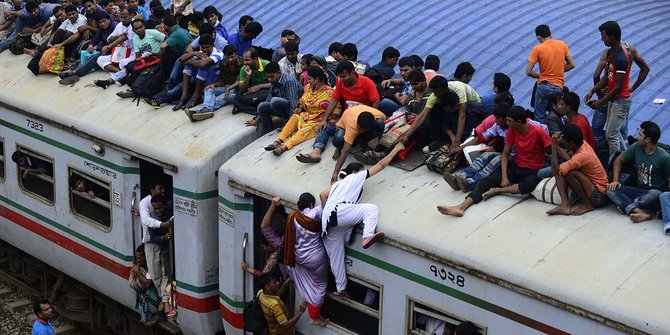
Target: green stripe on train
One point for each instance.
(69, 231)
(198, 289)
(196, 195)
(236, 206)
(63, 146)
(230, 301)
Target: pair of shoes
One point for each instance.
(451, 180)
(204, 114)
(179, 105)
(65, 74)
(125, 94)
(369, 241)
(102, 83)
(152, 102)
(69, 80)
(192, 103)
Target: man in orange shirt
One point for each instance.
(357, 123)
(582, 172)
(554, 59)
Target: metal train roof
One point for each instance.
(494, 35)
(158, 134)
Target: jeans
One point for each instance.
(617, 113)
(630, 197)
(377, 130)
(545, 92)
(665, 207)
(171, 94)
(277, 106)
(323, 136)
(4, 45)
(481, 167)
(525, 178)
(176, 75)
(388, 106)
(85, 68)
(214, 99)
(598, 125)
(241, 106)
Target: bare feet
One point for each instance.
(639, 215)
(336, 155)
(583, 209)
(252, 123)
(453, 211)
(30, 52)
(562, 210)
(491, 193)
(319, 322)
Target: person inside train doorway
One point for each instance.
(155, 222)
(30, 164)
(342, 213)
(274, 310)
(43, 314)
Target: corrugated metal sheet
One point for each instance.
(495, 36)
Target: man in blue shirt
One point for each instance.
(242, 40)
(43, 313)
(386, 67)
(282, 100)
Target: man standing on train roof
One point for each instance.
(43, 315)
(518, 174)
(616, 80)
(653, 175)
(152, 250)
(554, 58)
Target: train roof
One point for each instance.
(495, 36)
(600, 262)
(158, 135)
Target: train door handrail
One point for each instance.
(244, 273)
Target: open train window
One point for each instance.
(425, 320)
(2, 160)
(35, 174)
(361, 314)
(89, 198)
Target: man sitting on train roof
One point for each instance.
(145, 42)
(581, 171)
(253, 83)
(242, 39)
(349, 51)
(351, 90)
(518, 175)
(68, 34)
(464, 72)
(282, 99)
(30, 164)
(386, 67)
(432, 66)
(401, 97)
(453, 120)
(501, 86)
(653, 175)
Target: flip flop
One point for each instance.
(307, 159)
(379, 236)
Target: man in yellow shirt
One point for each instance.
(274, 310)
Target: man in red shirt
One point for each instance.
(351, 90)
(518, 176)
(582, 172)
(568, 105)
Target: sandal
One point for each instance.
(102, 83)
(69, 80)
(279, 150)
(377, 237)
(191, 103)
(179, 105)
(306, 159)
(273, 146)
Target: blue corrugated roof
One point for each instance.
(495, 36)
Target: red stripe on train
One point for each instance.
(199, 305)
(234, 319)
(66, 243)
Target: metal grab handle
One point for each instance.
(244, 273)
(133, 200)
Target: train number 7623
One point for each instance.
(447, 275)
(35, 125)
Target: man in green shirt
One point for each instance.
(253, 84)
(653, 171)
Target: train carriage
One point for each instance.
(117, 146)
(505, 265)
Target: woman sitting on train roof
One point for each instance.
(303, 125)
(343, 212)
(147, 295)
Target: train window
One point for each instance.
(89, 198)
(361, 314)
(2, 160)
(35, 174)
(425, 320)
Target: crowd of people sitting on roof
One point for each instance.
(338, 96)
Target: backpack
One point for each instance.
(145, 77)
(253, 317)
(440, 161)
